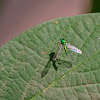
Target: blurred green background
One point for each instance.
(95, 6)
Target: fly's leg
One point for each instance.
(66, 50)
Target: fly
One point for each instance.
(64, 45)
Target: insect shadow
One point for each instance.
(48, 65)
(54, 64)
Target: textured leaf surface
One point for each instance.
(26, 69)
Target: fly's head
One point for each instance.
(63, 41)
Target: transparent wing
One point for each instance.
(58, 52)
(72, 48)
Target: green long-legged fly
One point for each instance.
(64, 45)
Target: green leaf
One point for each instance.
(27, 71)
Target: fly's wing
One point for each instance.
(72, 48)
(58, 52)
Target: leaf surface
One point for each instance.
(26, 69)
